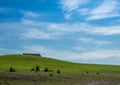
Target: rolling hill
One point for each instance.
(20, 61)
(71, 73)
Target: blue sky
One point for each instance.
(84, 31)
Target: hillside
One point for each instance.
(27, 62)
(70, 73)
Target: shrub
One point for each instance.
(46, 70)
(34, 80)
(12, 69)
(51, 70)
(37, 69)
(50, 74)
(87, 71)
(33, 69)
(97, 73)
(58, 71)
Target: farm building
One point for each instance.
(35, 54)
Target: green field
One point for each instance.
(71, 73)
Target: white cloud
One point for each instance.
(66, 27)
(89, 44)
(69, 55)
(82, 48)
(108, 8)
(29, 14)
(100, 54)
(70, 6)
(94, 41)
(68, 16)
(86, 28)
(109, 30)
(8, 51)
(44, 51)
(83, 11)
(107, 5)
(105, 9)
(32, 29)
(39, 30)
(35, 34)
(34, 49)
(1, 49)
(102, 16)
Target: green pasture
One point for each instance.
(71, 73)
(27, 62)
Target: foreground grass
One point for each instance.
(42, 78)
(71, 73)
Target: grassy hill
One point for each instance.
(28, 61)
(71, 73)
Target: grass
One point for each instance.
(71, 73)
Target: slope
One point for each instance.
(28, 61)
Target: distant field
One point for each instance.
(71, 73)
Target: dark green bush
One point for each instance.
(46, 70)
(37, 69)
(12, 69)
(33, 69)
(58, 71)
(87, 72)
(97, 73)
(50, 74)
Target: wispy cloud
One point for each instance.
(100, 54)
(8, 51)
(2, 49)
(90, 44)
(39, 30)
(29, 14)
(35, 49)
(108, 8)
(94, 41)
(43, 50)
(35, 34)
(33, 29)
(109, 30)
(86, 28)
(64, 27)
(70, 6)
(69, 55)
(105, 9)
